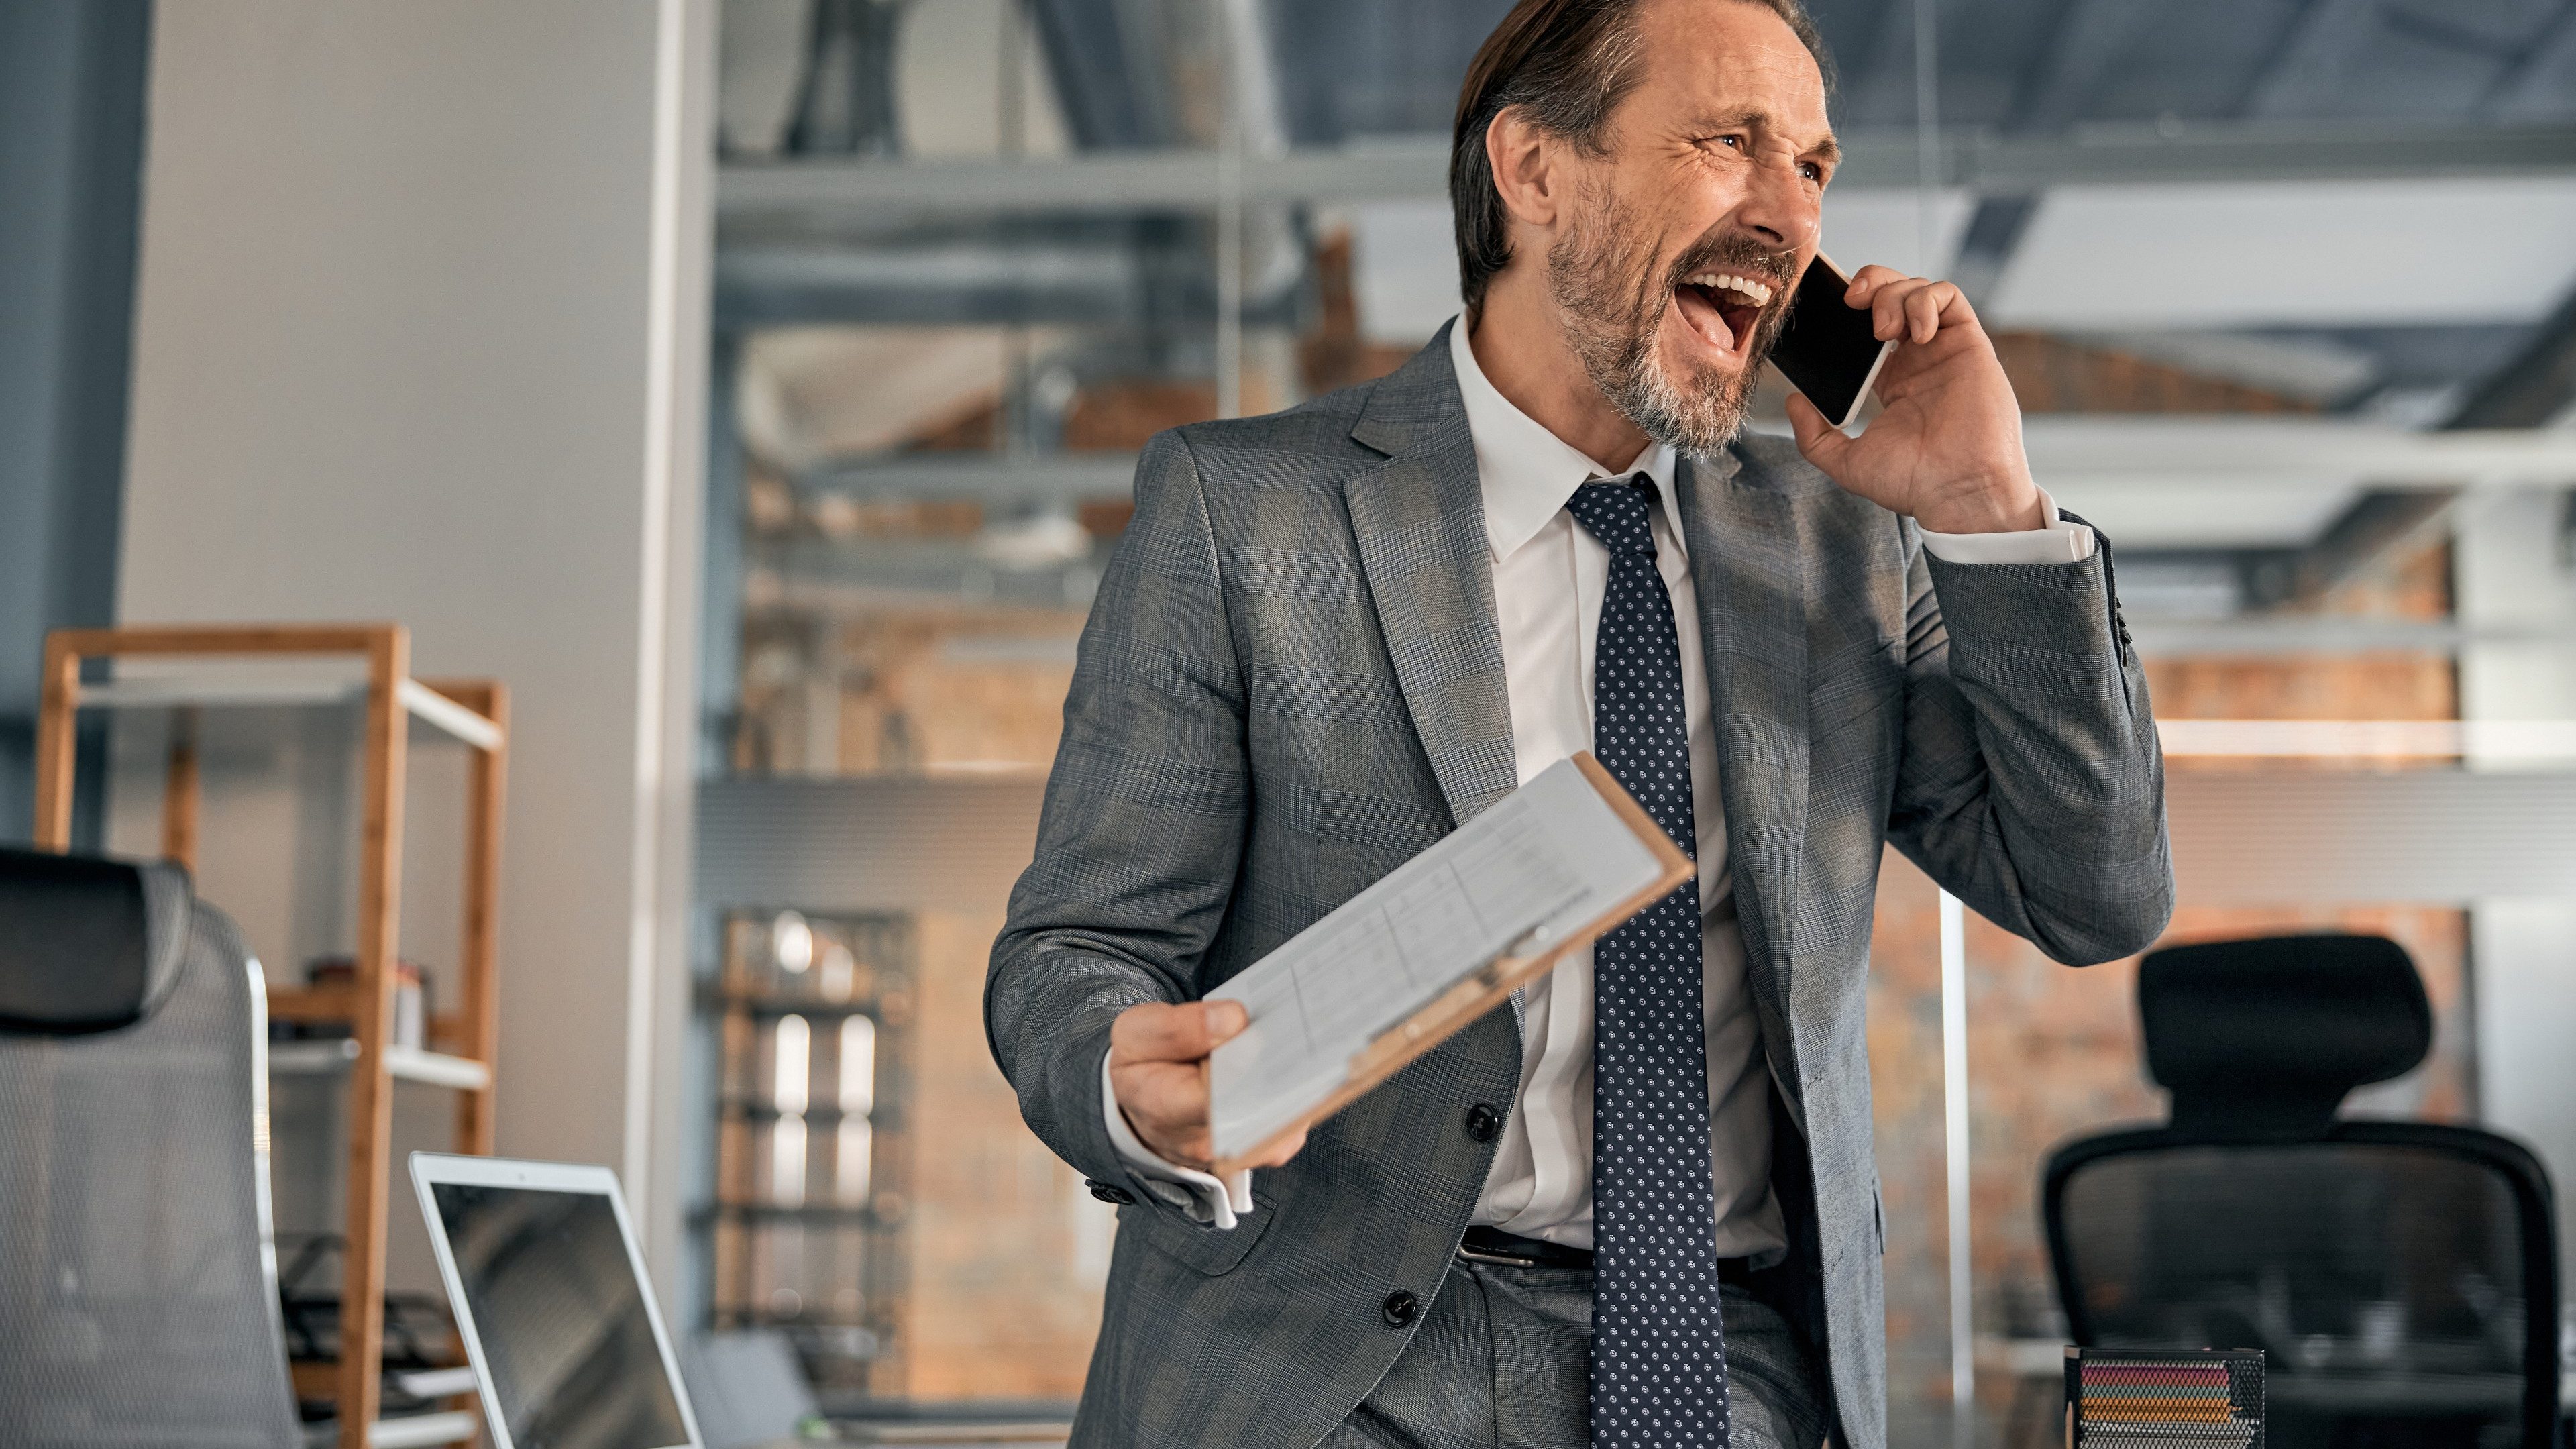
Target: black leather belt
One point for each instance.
(1493, 1245)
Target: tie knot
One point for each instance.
(1617, 513)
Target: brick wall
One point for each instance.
(1005, 1293)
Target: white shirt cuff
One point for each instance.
(1204, 1196)
(2059, 542)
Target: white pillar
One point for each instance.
(421, 335)
(2513, 573)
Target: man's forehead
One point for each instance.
(1732, 60)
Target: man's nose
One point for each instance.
(1779, 207)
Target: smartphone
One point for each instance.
(1826, 350)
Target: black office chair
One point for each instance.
(138, 1295)
(2401, 1277)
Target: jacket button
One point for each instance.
(1400, 1307)
(1483, 1122)
(1106, 1193)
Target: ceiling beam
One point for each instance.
(2066, 451)
(2381, 524)
(1417, 169)
(2302, 453)
(2532, 388)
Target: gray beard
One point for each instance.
(1611, 307)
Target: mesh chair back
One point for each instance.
(2397, 1276)
(2401, 1277)
(138, 1300)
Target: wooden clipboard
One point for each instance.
(1490, 985)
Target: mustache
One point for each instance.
(1741, 255)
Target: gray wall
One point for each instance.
(420, 335)
(71, 138)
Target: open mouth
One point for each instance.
(1723, 308)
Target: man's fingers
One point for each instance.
(1184, 1032)
(1923, 309)
(1167, 1103)
(1155, 1071)
(1866, 282)
(1912, 309)
(1887, 319)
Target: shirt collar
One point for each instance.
(1527, 473)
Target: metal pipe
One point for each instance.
(1229, 226)
(1954, 1149)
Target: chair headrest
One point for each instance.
(77, 948)
(2265, 1037)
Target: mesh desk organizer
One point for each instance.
(2163, 1400)
(2399, 1277)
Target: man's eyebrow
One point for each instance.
(1830, 149)
(1732, 121)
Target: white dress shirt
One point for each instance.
(1549, 578)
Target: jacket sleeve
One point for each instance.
(1142, 829)
(2032, 785)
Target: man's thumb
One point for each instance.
(1819, 441)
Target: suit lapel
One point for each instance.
(1747, 567)
(1421, 528)
(1419, 518)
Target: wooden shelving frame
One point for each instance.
(475, 712)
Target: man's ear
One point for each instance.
(1528, 168)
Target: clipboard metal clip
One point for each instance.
(1520, 948)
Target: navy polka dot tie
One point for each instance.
(1658, 1349)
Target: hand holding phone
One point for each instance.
(1946, 447)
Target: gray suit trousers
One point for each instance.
(1504, 1358)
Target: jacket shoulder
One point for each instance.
(1309, 445)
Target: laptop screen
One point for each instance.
(560, 1315)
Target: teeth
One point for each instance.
(1758, 292)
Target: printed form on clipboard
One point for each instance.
(1445, 938)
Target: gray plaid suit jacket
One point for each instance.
(1292, 682)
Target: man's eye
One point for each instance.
(1735, 141)
(1811, 171)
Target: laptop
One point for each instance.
(553, 1304)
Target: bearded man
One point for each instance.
(1638, 1207)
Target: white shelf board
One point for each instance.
(431, 707)
(435, 1383)
(409, 1064)
(169, 691)
(408, 1432)
(421, 1429)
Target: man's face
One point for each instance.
(1685, 237)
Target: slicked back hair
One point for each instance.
(1567, 64)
